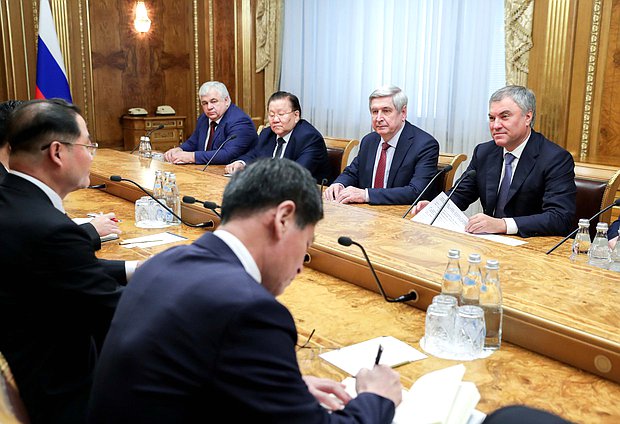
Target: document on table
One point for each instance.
(362, 355)
(453, 219)
(152, 240)
(437, 397)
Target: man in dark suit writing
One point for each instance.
(288, 136)
(200, 327)
(394, 163)
(525, 182)
(221, 119)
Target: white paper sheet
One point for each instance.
(152, 240)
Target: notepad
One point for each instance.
(152, 240)
(362, 355)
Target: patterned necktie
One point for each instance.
(504, 187)
(279, 148)
(380, 174)
(213, 124)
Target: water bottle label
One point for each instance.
(451, 277)
(469, 282)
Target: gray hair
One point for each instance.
(220, 87)
(522, 96)
(398, 97)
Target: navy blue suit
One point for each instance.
(413, 165)
(233, 122)
(306, 146)
(613, 229)
(57, 302)
(193, 332)
(542, 194)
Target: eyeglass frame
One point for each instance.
(92, 148)
(280, 115)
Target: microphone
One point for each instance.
(208, 205)
(448, 168)
(208, 224)
(412, 295)
(232, 137)
(323, 184)
(470, 173)
(615, 203)
(148, 134)
(97, 186)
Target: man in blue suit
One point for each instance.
(525, 182)
(288, 136)
(394, 163)
(200, 328)
(223, 132)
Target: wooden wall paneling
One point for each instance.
(225, 46)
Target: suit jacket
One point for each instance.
(613, 229)
(233, 122)
(3, 172)
(306, 146)
(54, 304)
(181, 345)
(413, 165)
(542, 194)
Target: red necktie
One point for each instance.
(380, 174)
(213, 124)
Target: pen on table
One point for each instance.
(122, 243)
(93, 215)
(379, 352)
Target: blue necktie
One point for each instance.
(502, 195)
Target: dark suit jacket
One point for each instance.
(56, 300)
(613, 229)
(306, 146)
(413, 165)
(233, 122)
(193, 332)
(3, 172)
(542, 194)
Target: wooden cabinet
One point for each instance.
(171, 135)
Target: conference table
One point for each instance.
(561, 347)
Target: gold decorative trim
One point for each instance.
(196, 55)
(85, 106)
(246, 61)
(211, 42)
(236, 21)
(26, 64)
(590, 77)
(518, 39)
(9, 49)
(59, 14)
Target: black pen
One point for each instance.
(379, 352)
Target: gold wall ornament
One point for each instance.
(518, 37)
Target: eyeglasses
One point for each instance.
(280, 115)
(92, 148)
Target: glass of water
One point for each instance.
(469, 332)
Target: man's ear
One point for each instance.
(55, 153)
(284, 217)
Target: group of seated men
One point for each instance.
(525, 182)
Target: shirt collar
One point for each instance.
(54, 197)
(242, 253)
(518, 151)
(394, 140)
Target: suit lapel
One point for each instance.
(370, 161)
(495, 162)
(405, 142)
(526, 163)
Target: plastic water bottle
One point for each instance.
(470, 292)
(491, 304)
(599, 254)
(173, 198)
(615, 257)
(158, 189)
(451, 283)
(145, 148)
(582, 242)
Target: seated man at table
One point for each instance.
(182, 345)
(288, 136)
(57, 298)
(612, 234)
(395, 162)
(525, 182)
(223, 132)
(99, 226)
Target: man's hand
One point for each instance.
(351, 195)
(418, 208)
(612, 242)
(332, 192)
(105, 224)
(179, 156)
(481, 223)
(169, 155)
(322, 389)
(381, 380)
(231, 168)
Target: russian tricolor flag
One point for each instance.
(51, 75)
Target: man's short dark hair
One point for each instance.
(6, 108)
(37, 122)
(293, 100)
(267, 183)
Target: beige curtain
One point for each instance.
(269, 42)
(518, 23)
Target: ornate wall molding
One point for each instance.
(518, 32)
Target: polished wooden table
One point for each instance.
(551, 306)
(342, 314)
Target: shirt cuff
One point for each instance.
(367, 196)
(130, 268)
(511, 226)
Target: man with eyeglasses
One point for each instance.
(288, 136)
(60, 297)
(223, 132)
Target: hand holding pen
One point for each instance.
(105, 223)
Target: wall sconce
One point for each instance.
(142, 23)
